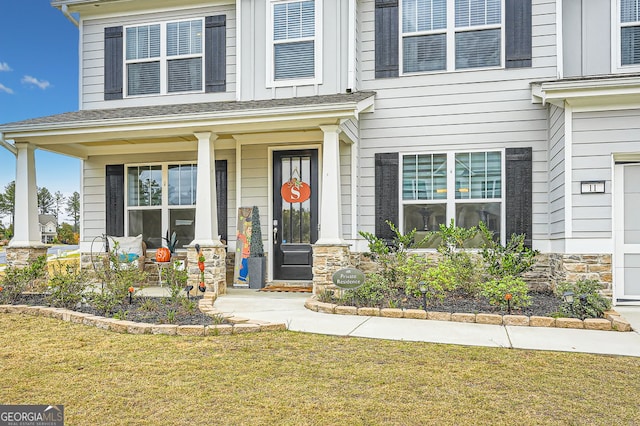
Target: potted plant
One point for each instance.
(257, 263)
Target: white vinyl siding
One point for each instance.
(440, 35)
(556, 172)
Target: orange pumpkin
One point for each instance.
(295, 191)
(163, 255)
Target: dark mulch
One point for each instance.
(542, 304)
(154, 310)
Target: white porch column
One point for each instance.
(330, 200)
(206, 226)
(25, 226)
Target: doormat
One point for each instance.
(288, 289)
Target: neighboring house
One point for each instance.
(524, 114)
(48, 228)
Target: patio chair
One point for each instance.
(129, 251)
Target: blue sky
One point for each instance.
(38, 77)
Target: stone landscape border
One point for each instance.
(612, 321)
(236, 325)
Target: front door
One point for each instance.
(295, 223)
(627, 233)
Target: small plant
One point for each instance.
(189, 305)
(121, 315)
(437, 279)
(149, 305)
(218, 319)
(326, 296)
(66, 286)
(176, 277)
(374, 290)
(587, 301)
(172, 242)
(17, 280)
(116, 278)
(171, 316)
(496, 291)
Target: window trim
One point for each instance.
(451, 201)
(163, 59)
(271, 82)
(616, 38)
(450, 33)
(164, 206)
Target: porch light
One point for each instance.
(423, 289)
(567, 297)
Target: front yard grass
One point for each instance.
(302, 379)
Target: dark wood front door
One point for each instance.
(295, 224)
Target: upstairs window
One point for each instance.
(294, 40)
(629, 32)
(439, 35)
(155, 67)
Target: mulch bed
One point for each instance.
(153, 310)
(542, 304)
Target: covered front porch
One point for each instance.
(149, 170)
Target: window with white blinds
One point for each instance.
(630, 32)
(439, 35)
(294, 40)
(174, 66)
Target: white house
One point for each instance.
(48, 228)
(522, 113)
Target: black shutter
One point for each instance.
(114, 196)
(221, 197)
(518, 176)
(387, 203)
(518, 33)
(386, 34)
(113, 63)
(215, 57)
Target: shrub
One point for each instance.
(587, 301)
(511, 259)
(466, 268)
(116, 279)
(496, 289)
(66, 285)
(374, 290)
(437, 279)
(17, 280)
(176, 278)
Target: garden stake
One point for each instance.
(130, 294)
(508, 297)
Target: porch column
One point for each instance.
(330, 200)
(206, 226)
(26, 231)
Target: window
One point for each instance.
(152, 210)
(295, 46)
(451, 34)
(629, 32)
(465, 187)
(154, 67)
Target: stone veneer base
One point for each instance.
(237, 325)
(612, 321)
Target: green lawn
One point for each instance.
(287, 378)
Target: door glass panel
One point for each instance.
(632, 274)
(631, 204)
(296, 217)
(147, 222)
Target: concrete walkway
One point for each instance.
(289, 308)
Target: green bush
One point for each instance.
(374, 290)
(18, 280)
(177, 278)
(116, 279)
(587, 301)
(495, 291)
(466, 267)
(511, 259)
(437, 279)
(66, 286)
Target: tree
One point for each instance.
(58, 201)
(66, 234)
(8, 200)
(45, 201)
(73, 209)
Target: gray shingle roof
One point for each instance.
(182, 109)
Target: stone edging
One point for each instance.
(237, 325)
(612, 321)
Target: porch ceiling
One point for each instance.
(171, 128)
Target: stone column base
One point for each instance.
(20, 257)
(327, 259)
(214, 269)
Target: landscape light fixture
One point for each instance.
(188, 289)
(423, 289)
(567, 297)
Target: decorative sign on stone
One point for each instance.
(348, 278)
